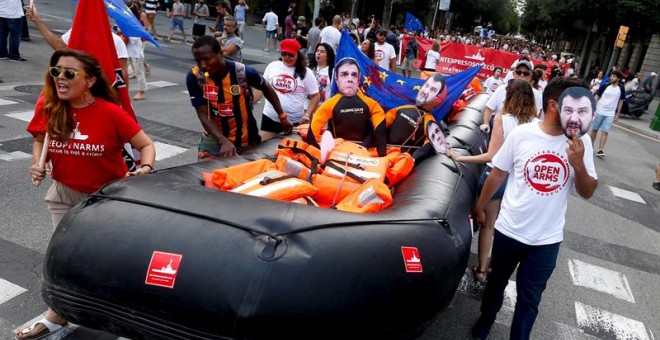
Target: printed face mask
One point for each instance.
(576, 111)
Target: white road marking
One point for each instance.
(600, 279)
(566, 332)
(629, 195)
(25, 116)
(7, 102)
(161, 83)
(608, 325)
(164, 151)
(9, 291)
(12, 156)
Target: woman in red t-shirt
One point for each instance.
(87, 132)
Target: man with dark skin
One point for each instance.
(229, 128)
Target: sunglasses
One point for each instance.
(523, 73)
(285, 54)
(69, 73)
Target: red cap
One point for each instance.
(290, 46)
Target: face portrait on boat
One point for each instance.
(432, 93)
(347, 76)
(577, 106)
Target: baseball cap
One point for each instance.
(291, 46)
(301, 19)
(524, 62)
(382, 30)
(653, 74)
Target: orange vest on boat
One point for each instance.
(228, 178)
(275, 184)
(300, 151)
(355, 162)
(372, 196)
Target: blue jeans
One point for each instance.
(535, 266)
(10, 31)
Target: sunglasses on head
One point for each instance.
(523, 73)
(285, 54)
(69, 73)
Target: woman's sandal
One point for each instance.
(49, 329)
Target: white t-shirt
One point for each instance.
(323, 81)
(135, 48)
(291, 91)
(271, 21)
(11, 9)
(120, 47)
(431, 59)
(331, 36)
(384, 53)
(533, 209)
(496, 100)
(607, 103)
(491, 84)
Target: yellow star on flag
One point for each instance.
(417, 88)
(401, 81)
(367, 81)
(111, 6)
(383, 75)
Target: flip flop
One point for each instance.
(49, 329)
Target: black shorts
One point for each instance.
(270, 125)
(198, 30)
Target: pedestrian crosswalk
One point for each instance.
(9, 290)
(591, 321)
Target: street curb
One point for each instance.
(638, 130)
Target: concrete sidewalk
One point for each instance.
(642, 125)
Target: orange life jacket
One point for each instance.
(400, 166)
(300, 151)
(372, 196)
(355, 162)
(332, 190)
(275, 184)
(293, 168)
(228, 178)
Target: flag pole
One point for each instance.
(434, 14)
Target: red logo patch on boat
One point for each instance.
(163, 269)
(411, 259)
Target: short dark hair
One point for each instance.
(207, 40)
(618, 74)
(318, 21)
(557, 85)
(578, 92)
(497, 68)
(347, 60)
(541, 66)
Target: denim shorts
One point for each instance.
(500, 191)
(176, 21)
(602, 123)
(271, 34)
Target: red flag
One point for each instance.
(91, 33)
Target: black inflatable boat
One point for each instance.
(163, 257)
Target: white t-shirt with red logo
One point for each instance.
(540, 178)
(291, 91)
(92, 156)
(491, 84)
(384, 53)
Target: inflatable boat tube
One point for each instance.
(163, 257)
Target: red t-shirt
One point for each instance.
(92, 156)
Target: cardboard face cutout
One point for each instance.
(436, 137)
(577, 107)
(432, 93)
(347, 76)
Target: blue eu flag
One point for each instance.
(127, 22)
(392, 90)
(413, 24)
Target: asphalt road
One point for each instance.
(604, 286)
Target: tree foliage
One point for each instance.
(640, 15)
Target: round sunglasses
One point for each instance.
(69, 73)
